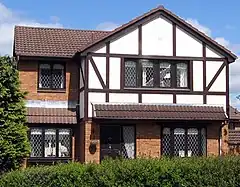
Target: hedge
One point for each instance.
(220, 172)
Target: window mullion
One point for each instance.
(139, 75)
(51, 76)
(156, 76)
(199, 142)
(186, 141)
(57, 143)
(171, 141)
(173, 75)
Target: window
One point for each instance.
(156, 73)
(50, 143)
(51, 76)
(184, 142)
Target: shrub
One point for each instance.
(14, 145)
(165, 172)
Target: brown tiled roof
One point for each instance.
(52, 42)
(151, 12)
(234, 113)
(234, 137)
(51, 115)
(157, 111)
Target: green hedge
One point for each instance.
(220, 172)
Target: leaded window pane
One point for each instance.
(203, 141)
(44, 76)
(50, 143)
(182, 75)
(64, 143)
(166, 142)
(165, 74)
(192, 141)
(58, 76)
(36, 142)
(147, 73)
(128, 145)
(179, 142)
(130, 74)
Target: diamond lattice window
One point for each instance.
(128, 145)
(184, 142)
(165, 74)
(182, 75)
(64, 143)
(36, 142)
(50, 142)
(130, 74)
(147, 73)
(51, 76)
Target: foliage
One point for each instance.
(14, 145)
(178, 172)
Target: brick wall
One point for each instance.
(212, 139)
(148, 143)
(28, 74)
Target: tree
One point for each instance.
(14, 144)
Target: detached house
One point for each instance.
(154, 86)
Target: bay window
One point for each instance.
(156, 73)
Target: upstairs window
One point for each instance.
(156, 73)
(51, 76)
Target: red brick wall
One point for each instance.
(212, 139)
(28, 74)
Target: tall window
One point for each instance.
(184, 142)
(50, 143)
(51, 76)
(156, 73)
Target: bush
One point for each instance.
(14, 145)
(221, 172)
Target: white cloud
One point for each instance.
(200, 27)
(107, 26)
(8, 19)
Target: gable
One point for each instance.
(155, 33)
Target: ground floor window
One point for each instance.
(50, 142)
(184, 142)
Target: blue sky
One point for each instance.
(217, 18)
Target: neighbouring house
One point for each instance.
(153, 86)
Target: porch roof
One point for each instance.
(234, 137)
(51, 115)
(158, 111)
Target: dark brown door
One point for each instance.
(110, 141)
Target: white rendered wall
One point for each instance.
(81, 107)
(187, 45)
(157, 98)
(197, 76)
(127, 44)
(219, 84)
(81, 79)
(114, 73)
(93, 80)
(157, 38)
(123, 98)
(211, 53)
(189, 99)
(95, 98)
(101, 50)
(211, 69)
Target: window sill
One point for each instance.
(48, 159)
(51, 91)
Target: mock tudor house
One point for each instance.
(153, 86)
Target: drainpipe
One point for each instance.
(219, 138)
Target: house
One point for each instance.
(153, 86)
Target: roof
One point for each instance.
(157, 111)
(234, 113)
(52, 42)
(234, 137)
(151, 12)
(51, 115)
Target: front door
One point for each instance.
(110, 141)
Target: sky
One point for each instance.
(219, 19)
